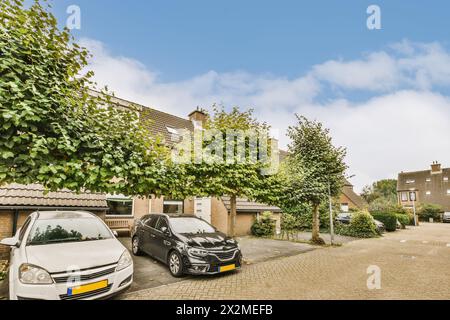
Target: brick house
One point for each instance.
(349, 200)
(427, 186)
(120, 211)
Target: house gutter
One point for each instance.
(53, 208)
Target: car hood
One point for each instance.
(208, 240)
(60, 257)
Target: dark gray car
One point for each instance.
(187, 244)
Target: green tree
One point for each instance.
(228, 172)
(53, 129)
(313, 168)
(386, 189)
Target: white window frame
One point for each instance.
(445, 179)
(118, 216)
(428, 193)
(405, 194)
(410, 181)
(174, 202)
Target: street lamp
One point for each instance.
(412, 196)
(331, 211)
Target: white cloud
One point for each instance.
(402, 125)
(378, 72)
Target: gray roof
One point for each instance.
(244, 205)
(157, 121)
(33, 195)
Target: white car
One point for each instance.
(67, 256)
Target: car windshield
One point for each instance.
(67, 230)
(190, 225)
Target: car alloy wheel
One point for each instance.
(175, 264)
(135, 247)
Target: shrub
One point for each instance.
(265, 226)
(428, 210)
(389, 219)
(404, 219)
(361, 226)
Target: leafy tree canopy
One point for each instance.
(386, 189)
(314, 169)
(53, 129)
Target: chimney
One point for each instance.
(198, 117)
(436, 167)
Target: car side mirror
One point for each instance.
(10, 242)
(115, 233)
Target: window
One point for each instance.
(448, 191)
(119, 205)
(174, 134)
(412, 196)
(162, 223)
(344, 207)
(410, 181)
(50, 231)
(404, 196)
(152, 221)
(428, 180)
(173, 206)
(445, 179)
(428, 193)
(190, 225)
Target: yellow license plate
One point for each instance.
(87, 288)
(227, 268)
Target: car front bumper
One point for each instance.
(118, 282)
(211, 266)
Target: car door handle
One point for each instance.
(167, 243)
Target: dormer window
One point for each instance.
(174, 134)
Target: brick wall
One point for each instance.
(6, 224)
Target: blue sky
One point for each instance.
(384, 94)
(184, 38)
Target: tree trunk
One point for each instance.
(232, 216)
(316, 226)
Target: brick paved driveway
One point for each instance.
(415, 264)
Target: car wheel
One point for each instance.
(175, 263)
(135, 247)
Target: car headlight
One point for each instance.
(124, 261)
(194, 252)
(30, 274)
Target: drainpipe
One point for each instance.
(15, 220)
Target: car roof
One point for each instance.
(174, 215)
(47, 215)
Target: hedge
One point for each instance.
(361, 226)
(389, 219)
(404, 219)
(428, 210)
